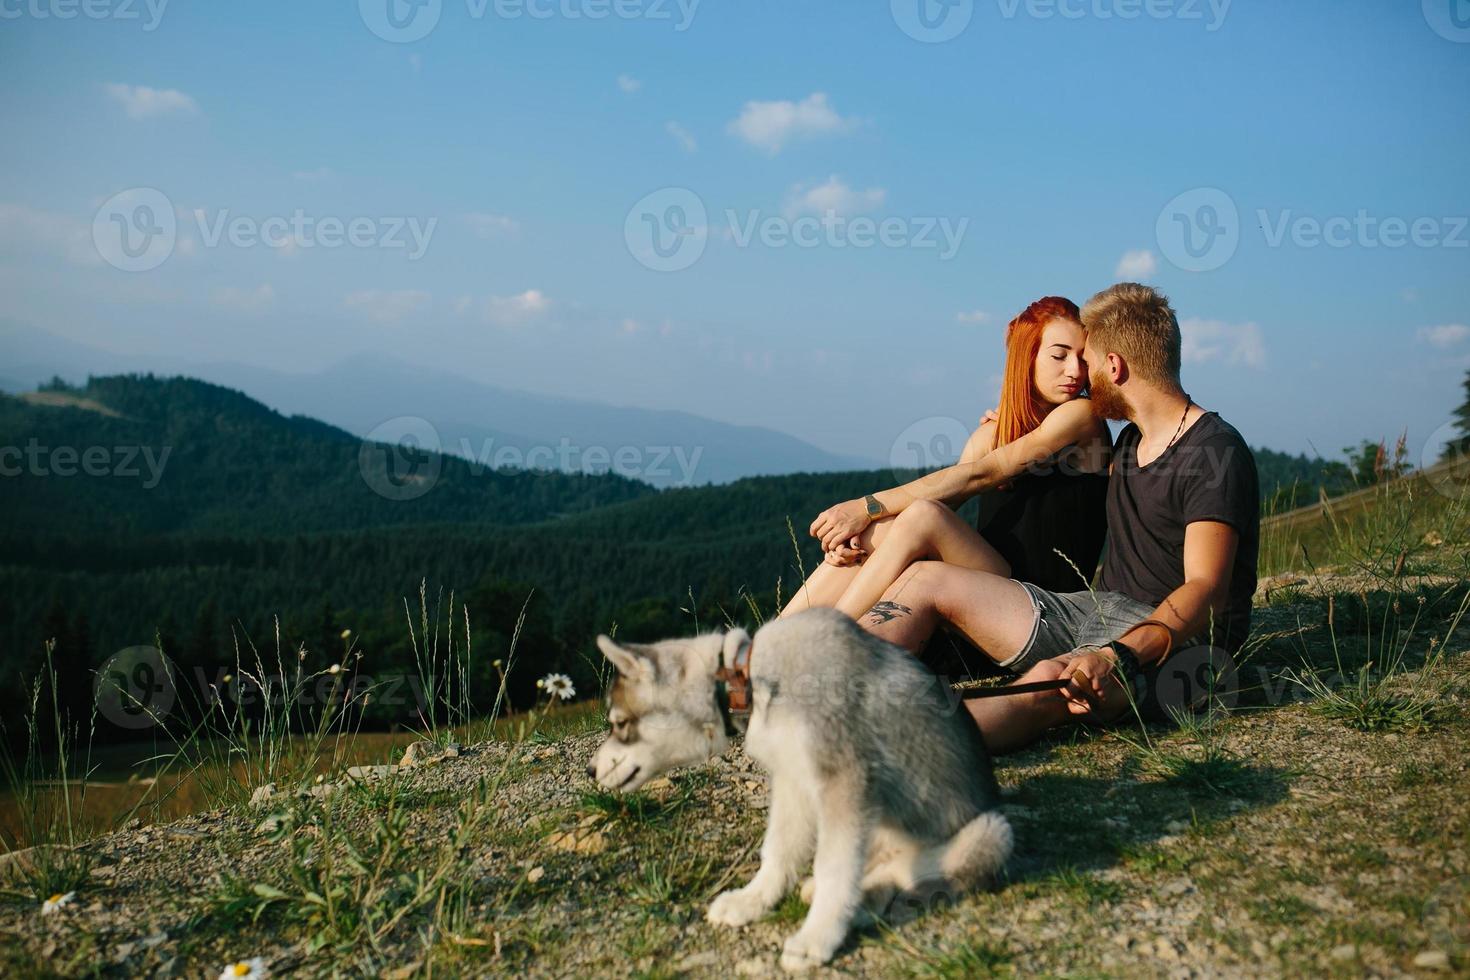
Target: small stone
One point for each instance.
(1177, 827)
(697, 961)
(1347, 951)
(579, 841)
(262, 794)
(535, 874)
(426, 753)
(365, 773)
(269, 825)
(1432, 959)
(752, 967)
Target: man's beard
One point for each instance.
(1108, 402)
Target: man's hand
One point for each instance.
(1090, 670)
(839, 523)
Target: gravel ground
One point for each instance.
(1278, 842)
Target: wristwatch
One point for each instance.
(875, 509)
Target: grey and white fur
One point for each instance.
(875, 770)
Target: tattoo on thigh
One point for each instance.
(886, 611)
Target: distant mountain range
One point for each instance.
(375, 396)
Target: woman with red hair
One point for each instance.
(1039, 464)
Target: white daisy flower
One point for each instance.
(251, 969)
(558, 686)
(57, 902)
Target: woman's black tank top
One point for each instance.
(1040, 511)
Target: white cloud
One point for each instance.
(244, 300)
(1444, 336)
(386, 305)
(833, 197)
(320, 173)
(1137, 265)
(486, 225)
(1216, 340)
(769, 125)
(682, 136)
(972, 316)
(141, 102)
(512, 311)
(27, 231)
(628, 84)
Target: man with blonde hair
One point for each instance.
(1183, 530)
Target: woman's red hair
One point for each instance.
(1020, 408)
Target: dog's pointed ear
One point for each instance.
(627, 663)
(734, 640)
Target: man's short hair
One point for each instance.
(1136, 322)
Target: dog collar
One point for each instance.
(732, 690)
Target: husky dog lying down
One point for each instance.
(873, 769)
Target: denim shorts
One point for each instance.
(1065, 621)
(1196, 675)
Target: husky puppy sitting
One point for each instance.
(873, 770)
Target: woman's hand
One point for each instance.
(850, 552)
(839, 523)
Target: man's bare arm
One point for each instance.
(1209, 556)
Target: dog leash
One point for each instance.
(732, 689)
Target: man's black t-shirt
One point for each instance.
(1208, 475)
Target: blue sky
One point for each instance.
(1054, 136)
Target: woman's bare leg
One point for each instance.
(826, 584)
(925, 529)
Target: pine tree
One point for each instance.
(1460, 445)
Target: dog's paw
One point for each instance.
(737, 907)
(808, 889)
(804, 951)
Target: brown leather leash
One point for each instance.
(732, 689)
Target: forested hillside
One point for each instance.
(252, 515)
